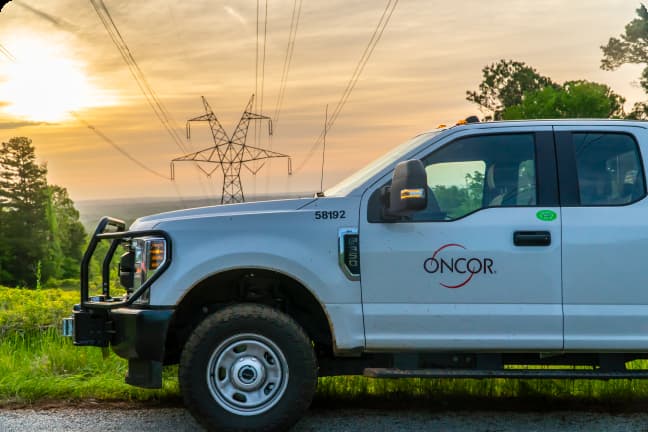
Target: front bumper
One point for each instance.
(138, 335)
(134, 332)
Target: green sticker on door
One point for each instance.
(546, 215)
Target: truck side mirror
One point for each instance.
(408, 191)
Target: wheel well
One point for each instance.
(248, 286)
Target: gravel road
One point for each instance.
(178, 420)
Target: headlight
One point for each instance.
(150, 255)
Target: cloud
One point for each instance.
(234, 14)
(17, 124)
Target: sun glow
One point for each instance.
(44, 84)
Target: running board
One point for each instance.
(505, 373)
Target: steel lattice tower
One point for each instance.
(229, 153)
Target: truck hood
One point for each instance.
(148, 222)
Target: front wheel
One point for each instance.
(248, 368)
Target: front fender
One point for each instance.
(204, 248)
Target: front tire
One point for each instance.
(248, 368)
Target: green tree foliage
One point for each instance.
(69, 232)
(40, 233)
(631, 47)
(504, 84)
(23, 196)
(574, 99)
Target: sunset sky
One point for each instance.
(429, 55)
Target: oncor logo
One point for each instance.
(453, 265)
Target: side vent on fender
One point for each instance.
(349, 252)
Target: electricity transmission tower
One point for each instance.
(230, 153)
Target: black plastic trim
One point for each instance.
(140, 333)
(567, 176)
(546, 170)
(506, 373)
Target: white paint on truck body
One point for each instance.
(586, 291)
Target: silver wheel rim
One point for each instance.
(247, 374)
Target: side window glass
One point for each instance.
(458, 187)
(478, 172)
(609, 169)
(526, 184)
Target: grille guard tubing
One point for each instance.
(117, 237)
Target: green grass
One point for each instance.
(47, 366)
(37, 364)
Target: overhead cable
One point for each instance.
(119, 148)
(290, 48)
(369, 49)
(149, 93)
(7, 54)
(146, 89)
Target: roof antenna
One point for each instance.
(321, 192)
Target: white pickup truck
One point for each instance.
(470, 251)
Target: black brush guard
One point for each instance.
(105, 301)
(136, 332)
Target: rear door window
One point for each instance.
(609, 169)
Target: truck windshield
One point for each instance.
(359, 177)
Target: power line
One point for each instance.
(290, 48)
(119, 148)
(369, 49)
(263, 62)
(146, 89)
(180, 36)
(256, 69)
(149, 93)
(7, 54)
(375, 38)
(105, 138)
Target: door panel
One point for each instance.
(463, 283)
(605, 240)
(512, 302)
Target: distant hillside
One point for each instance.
(129, 209)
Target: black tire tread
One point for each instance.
(266, 317)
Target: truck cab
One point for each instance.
(460, 253)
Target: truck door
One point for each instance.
(479, 268)
(605, 237)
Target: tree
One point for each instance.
(40, 233)
(504, 84)
(23, 197)
(631, 47)
(69, 234)
(574, 99)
